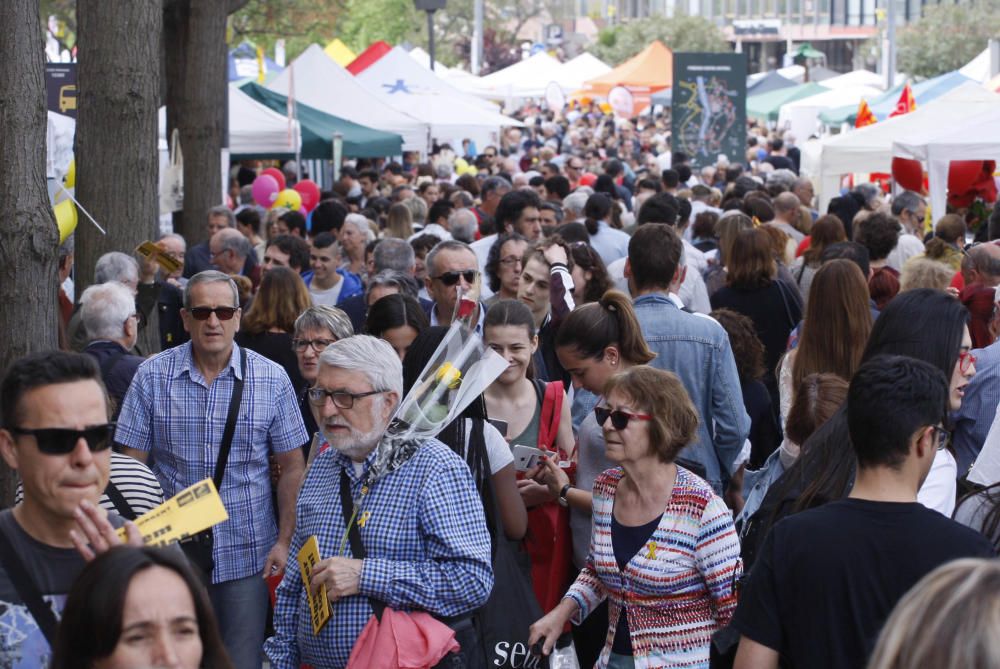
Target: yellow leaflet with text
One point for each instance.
(187, 513)
(319, 605)
(150, 251)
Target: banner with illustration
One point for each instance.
(709, 116)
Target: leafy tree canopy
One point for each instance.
(946, 38)
(681, 33)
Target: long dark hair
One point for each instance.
(393, 311)
(92, 619)
(924, 324)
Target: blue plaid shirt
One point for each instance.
(170, 412)
(426, 545)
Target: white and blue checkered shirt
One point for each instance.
(170, 412)
(426, 543)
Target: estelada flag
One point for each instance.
(865, 115)
(906, 103)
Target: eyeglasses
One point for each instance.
(965, 359)
(318, 345)
(619, 418)
(511, 261)
(61, 440)
(943, 437)
(575, 167)
(203, 313)
(341, 398)
(451, 278)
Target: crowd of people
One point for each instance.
(756, 420)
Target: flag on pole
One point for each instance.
(290, 103)
(906, 103)
(865, 115)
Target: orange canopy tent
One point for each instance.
(650, 70)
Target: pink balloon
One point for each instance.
(302, 210)
(265, 190)
(309, 191)
(277, 175)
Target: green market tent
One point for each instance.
(318, 129)
(765, 107)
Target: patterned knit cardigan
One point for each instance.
(678, 589)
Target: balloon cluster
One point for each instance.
(967, 179)
(269, 191)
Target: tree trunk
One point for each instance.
(196, 104)
(29, 281)
(116, 136)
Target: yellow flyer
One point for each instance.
(319, 605)
(150, 251)
(188, 512)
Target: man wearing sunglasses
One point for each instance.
(55, 433)
(857, 555)
(451, 266)
(177, 410)
(911, 211)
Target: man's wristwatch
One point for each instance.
(562, 494)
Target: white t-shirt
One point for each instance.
(326, 297)
(497, 450)
(907, 247)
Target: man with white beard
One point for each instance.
(420, 525)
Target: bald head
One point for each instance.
(982, 265)
(229, 249)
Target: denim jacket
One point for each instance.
(696, 349)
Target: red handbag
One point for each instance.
(548, 542)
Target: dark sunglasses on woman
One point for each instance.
(619, 418)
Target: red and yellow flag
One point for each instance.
(865, 115)
(906, 103)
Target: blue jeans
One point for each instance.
(617, 661)
(241, 609)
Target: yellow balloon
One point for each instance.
(289, 199)
(65, 218)
(70, 179)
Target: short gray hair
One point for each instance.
(907, 201)
(360, 223)
(783, 177)
(104, 308)
(235, 242)
(462, 198)
(210, 276)
(371, 356)
(446, 245)
(325, 317)
(223, 210)
(116, 266)
(394, 253)
(390, 277)
(418, 209)
(462, 225)
(494, 183)
(175, 237)
(574, 203)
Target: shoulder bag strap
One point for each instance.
(122, 506)
(353, 535)
(548, 427)
(27, 590)
(227, 435)
(784, 301)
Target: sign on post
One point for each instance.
(709, 113)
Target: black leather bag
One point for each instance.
(198, 548)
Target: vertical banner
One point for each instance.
(709, 107)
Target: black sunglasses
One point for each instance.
(61, 440)
(451, 278)
(619, 418)
(203, 313)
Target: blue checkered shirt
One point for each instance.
(170, 412)
(426, 545)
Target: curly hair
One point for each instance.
(748, 351)
(879, 234)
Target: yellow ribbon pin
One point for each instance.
(364, 518)
(651, 550)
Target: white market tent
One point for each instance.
(870, 149)
(525, 79)
(977, 137)
(854, 79)
(978, 69)
(323, 84)
(802, 116)
(400, 82)
(254, 130)
(583, 68)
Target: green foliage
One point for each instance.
(394, 21)
(299, 22)
(946, 38)
(682, 33)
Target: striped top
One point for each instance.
(678, 589)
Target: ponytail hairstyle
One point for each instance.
(597, 209)
(610, 321)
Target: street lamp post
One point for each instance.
(430, 6)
